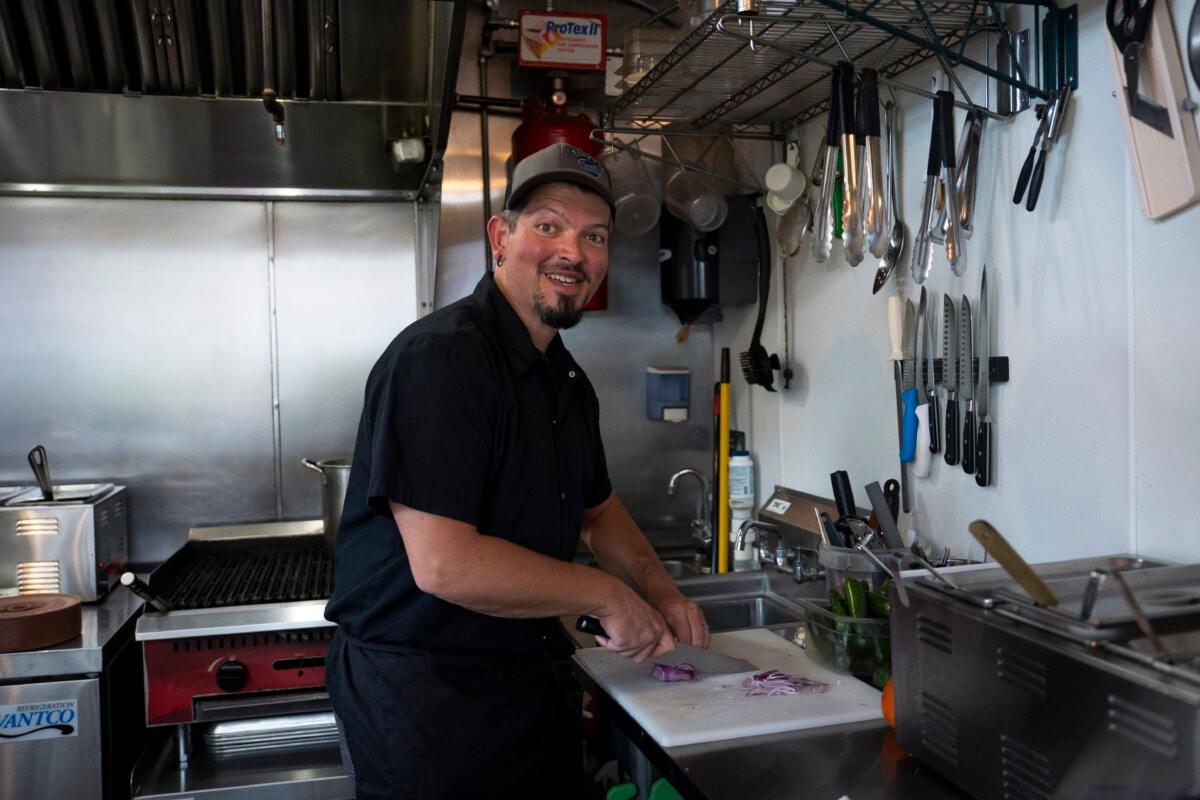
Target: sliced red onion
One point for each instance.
(774, 682)
(667, 673)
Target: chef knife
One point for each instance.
(966, 380)
(706, 662)
(896, 356)
(950, 376)
(930, 383)
(887, 523)
(983, 442)
(921, 453)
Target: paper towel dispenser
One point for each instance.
(701, 272)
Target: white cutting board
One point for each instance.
(715, 707)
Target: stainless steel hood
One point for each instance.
(165, 97)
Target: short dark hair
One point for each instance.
(511, 213)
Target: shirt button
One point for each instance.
(571, 374)
(564, 495)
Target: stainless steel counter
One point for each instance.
(83, 655)
(859, 760)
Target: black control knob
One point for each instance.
(232, 676)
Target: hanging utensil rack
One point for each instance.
(772, 69)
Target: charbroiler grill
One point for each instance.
(246, 634)
(1095, 697)
(237, 663)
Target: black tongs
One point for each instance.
(1128, 22)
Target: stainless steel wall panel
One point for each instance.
(345, 286)
(135, 348)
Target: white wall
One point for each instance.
(1094, 431)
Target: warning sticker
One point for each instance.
(561, 40)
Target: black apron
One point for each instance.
(438, 726)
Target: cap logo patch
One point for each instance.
(586, 162)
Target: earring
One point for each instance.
(500, 260)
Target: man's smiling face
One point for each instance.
(555, 257)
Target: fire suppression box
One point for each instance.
(560, 40)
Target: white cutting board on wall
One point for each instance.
(715, 707)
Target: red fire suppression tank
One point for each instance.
(540, 128)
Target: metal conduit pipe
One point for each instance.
(270, 101)
(486, 51)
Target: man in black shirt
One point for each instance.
(478, 467)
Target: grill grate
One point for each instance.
(278, 575)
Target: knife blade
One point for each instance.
(967, 385)
(887, 522)
(707, 662)
(930, 382)
(983, 441)
(909, 394)
(950, 376)
(921, 453)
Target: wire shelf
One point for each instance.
(715, 78)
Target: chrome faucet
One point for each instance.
(704, 517)
(784, 559)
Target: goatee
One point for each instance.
(562, 317)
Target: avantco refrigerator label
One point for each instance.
(561, 40)
(47, 720)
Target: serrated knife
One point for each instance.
(983, 442)
(930, 326)
(950, 376)
(921, 452)
(967, 385)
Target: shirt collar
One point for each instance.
(522, 354)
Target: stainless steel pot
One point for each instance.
(335, 475)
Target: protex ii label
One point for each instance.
(561, 40)
(48, 720)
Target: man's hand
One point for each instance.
(635, 630)
(683, 616)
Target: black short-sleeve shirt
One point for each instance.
(464, 418)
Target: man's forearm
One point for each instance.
(620, 548)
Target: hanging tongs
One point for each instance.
(967, 173)
(922, 252)
(852, 222)
(949, 181)
(822, 242)
(875, 217)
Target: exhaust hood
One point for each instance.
(166, 97)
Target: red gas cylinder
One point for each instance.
(540, 128)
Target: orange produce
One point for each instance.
(888, 703)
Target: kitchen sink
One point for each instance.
(748, 599)
(678, 568)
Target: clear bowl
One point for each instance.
(849, 645)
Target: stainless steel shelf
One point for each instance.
(715, 79)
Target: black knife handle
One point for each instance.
(591, 625)
(968, 442)
(983, 454)
(935, 444)
(843, 495)
(1035, 183)
(1023, 178)
(951, 430)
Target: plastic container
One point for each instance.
(849, 645)
(691, 197)
(838, 560)
(741, 479)
(635, 199)
(645, 47)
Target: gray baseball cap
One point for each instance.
(559, 162)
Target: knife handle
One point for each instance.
(921, 456)
(1035, 183)
(908, 431)
(951, 429)
(968, 441)
(935, 443)
(586, 624)
(1023, 178)
(983, 454)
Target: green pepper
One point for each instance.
(881, 677)
(856, 598)
(883, 651)
(879, 604)
(837, 607)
